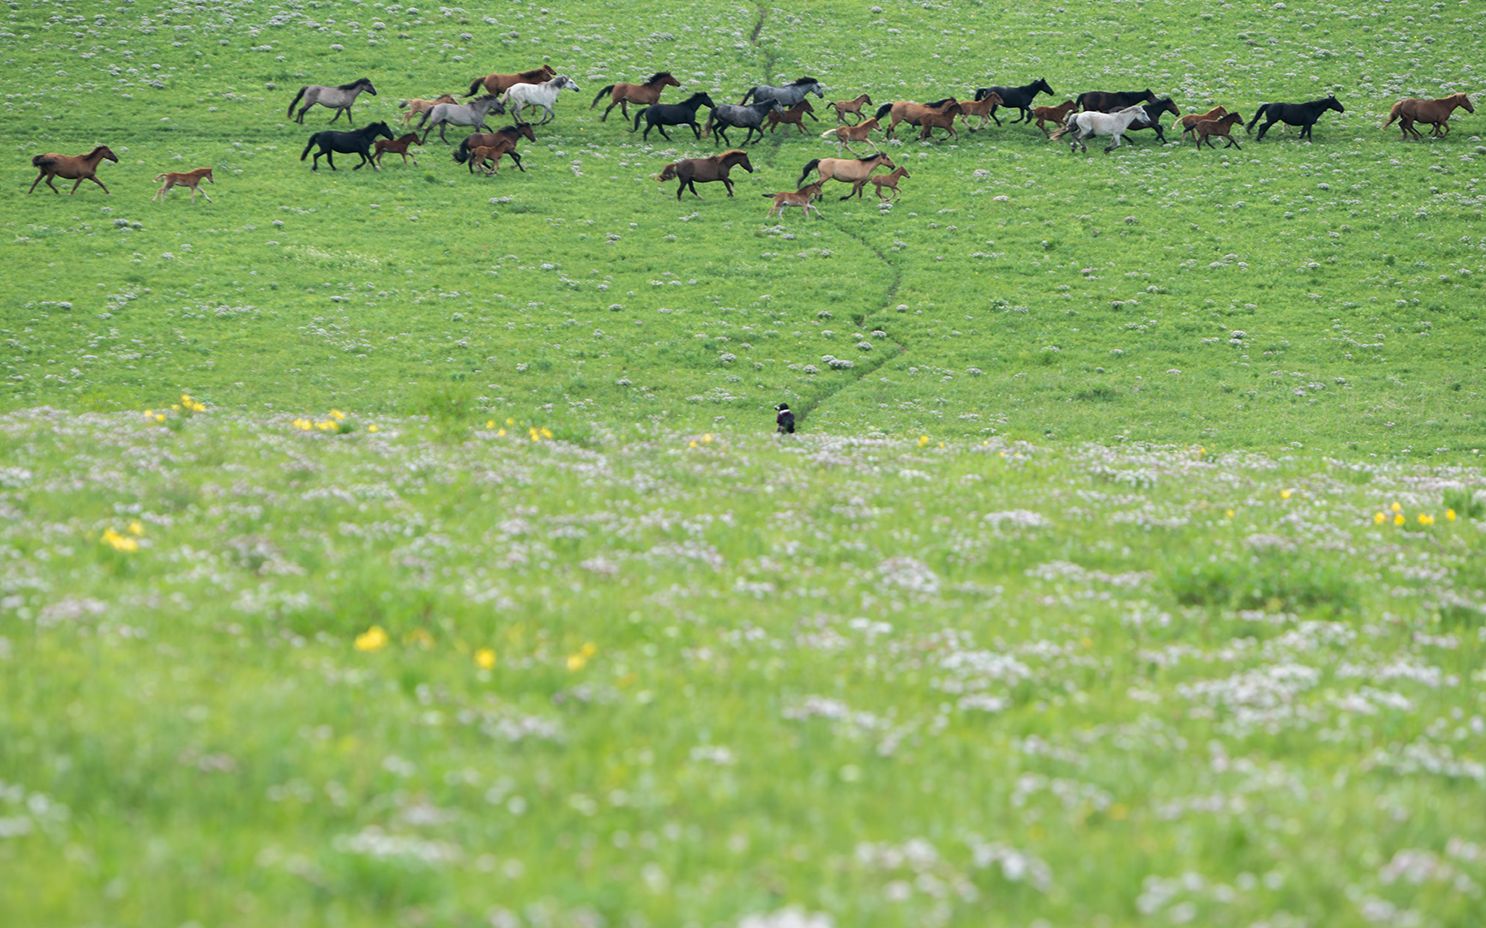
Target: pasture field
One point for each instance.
(1127, 570)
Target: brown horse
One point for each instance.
(1052, 114)
(505, 138)
(71, 167)
(912, 113)
(1188, 122)
(690, 170)
(854, 107)
(804, 198)
(1205, 129)
(852, 171)
(981, 108)
(939, 119)
(861, 132)
(1435, 112)
(190, 179)
(500, 83)
(621, 95)
(416, 107)
(398, 146)
(889, 180)
(794, 116)
(483, 155)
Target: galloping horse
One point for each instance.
(1087, 125)
(1205, 129)
(1185, 123)
(500, 83)
(910, 112)
(358, 143)
(804, 198)
(416, 107)
(1052, 114)
(750, 117)
(337, 98)
(854, 107)
(1303, 115)
(1435, 112)
(1016, 98)
(520, 96)
(788, 95)
(470, 114)
(844, 135)
(794, 116)
(852, 171)
(888, 180)
(71, 167)
(1153, 112)
(673, 114)
(981, 108)
(621, 95)
(398, 146)
(1107, 101)
(943, 118)
(690, 170)
(505, 137)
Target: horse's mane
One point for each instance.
(731, 152)
(659, 75)
(805, 80)
(938, 103)
(872, 157)
(354, 84)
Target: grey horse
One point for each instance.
(337, 98)
(749, 117)
(472, 113)
(788, 95)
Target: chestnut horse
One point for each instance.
(398, 146)
(939, 119)
(506, 137)
(190, 179)
(1205, 129)
(621, 95)
(888, 180)
(910, 112)
(1185, 123)
(500, 83)
(1052, 114)
(794, 116)
(852, 171)
(416, 107)
(861, 132)
(853, 107)
(981, 108)
(1435, 112)
(804, 198)
(690, 170)
(71, 167)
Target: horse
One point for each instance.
(1205, 129)
(750, 117)
(794, 116)
(1111, 101)
(939, 119)
(673, 114)
(489, 154)
(500, 83)
(519, 96)
(622, 95)
(804, 198)
(788, 95)
(416, 107)
(398, 146)
(1185, 123)
(459, 114)
(190, 179)
(1016, 98)
(1153, 111)
(854, 107)
(1088, 124)
(1303, 115)
(981, 108)
(507, 137)
(1052, 114)
(357, 142)
(852, 171)
(888, 180)
(336, 98)
(71, 167)
(1435, 112)
(909, 112)
(690, 170)
(861, 132)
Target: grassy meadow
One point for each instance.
(1127, 570)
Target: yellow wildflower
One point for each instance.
(510, 421)
(120, 542)
(373, 639)
(1286, 494)
(1378, 518)
(707, 438)
(1396, 507)
(485, 658)
(1228, 513)
(490, 423)
(923, 440)
(373, 428)
(580, 659)
(1426, 519)
(501, 434)
(692, 443)
(337, 415)
(1398, 519)
(159, 417)
(1449, 515)
(136, 528)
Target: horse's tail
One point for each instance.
(707, 126)
(600, 96)
(810, 165)
(423, 117)
(638, 115)
(1257, 113)
(750, 93)
(160, 177)
(475, 86)
(1081, 100)
(830, 134)
(295, 101)
(38, 161)
(402, 104)
(1393, 114)
(462, 153)
(883, 110)
(307, 146)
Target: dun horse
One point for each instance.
(337, 98)
(852, 171)
(852, 107)
(804, 198)
(190, 179)
(1434, 112)
(621, 95)
(688, 171)
(71, 167)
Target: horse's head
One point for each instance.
(379, 128)
(1332, 103)
(490, 102)
(106, 153)
(903, 172)
(525, 129)
(701, 98)
(1465, 102)
(546, 72)
(409, 138)
(663, 79)
(881, 158)
(366, 85)
(736, 157)
(1165, 105)
(1041, 86)
(865, 98)
(563, 82)
(667, 173)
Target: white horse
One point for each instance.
(520, 96)
(337, 98)
(472, 113)
(1087, 125)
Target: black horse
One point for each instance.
(1303, 115)
(1016, 98)
(358, 142)
(684, 113)
(1108, 101)
(1153, 112)
(739, 116)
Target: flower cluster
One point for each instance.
(337, 422)
(175, 415)
(126, 541)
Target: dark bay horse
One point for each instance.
(621, 95)
(1108, 101)
(358, 142)
(1016, 98)
(673, 114)
(71, 167)
(506, 137)
(690, 170)
(1303, 115)
(1153, 113)
(1434, 112)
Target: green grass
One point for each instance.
(1070, 603)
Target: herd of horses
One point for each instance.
(764, 108)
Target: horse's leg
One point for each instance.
(662, 130)
(349, 120)
(52, 185)
(728, 184)
(1265, 128)
(330, 158)
(337, 114)
(76, 185)
(203, 193)
(680, 189)
(35, 182)
(624, 106)
(1232, 142)
(692, 185)
(515, 158)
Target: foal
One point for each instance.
(1052, 114)
(888, 180)
(981, 108)
(861, 132)
(398, 146)
(853, 107)
(1205, 129)
(804, 198)
(794, 116)
(190, 179)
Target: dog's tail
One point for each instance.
(295, 101)
(600, 96)
(1257, 113)
(810, 165)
